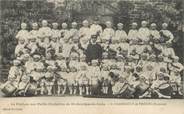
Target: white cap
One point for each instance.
(134, 24)
(153, 25)
(36, 56)
(16, 62)
(107, 22)
(34, 24)
(64, 24)
(23, 24)
(144, 22)
(120, 24)
(74, 23)
(44, 21)
(164, 24)
(85, 22)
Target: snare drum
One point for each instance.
(165, 89)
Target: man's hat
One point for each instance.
(94, 62)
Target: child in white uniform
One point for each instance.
(20, 48)
(133, 36)
(108, 32)
(23, 33)
(34, 31)
(84, 34)
(45, 31)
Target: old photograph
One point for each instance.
(113, 49)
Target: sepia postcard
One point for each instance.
(91, 56)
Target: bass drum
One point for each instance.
(31, 90)
(9, 89)
(165, 89)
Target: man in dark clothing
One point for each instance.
(94, 50)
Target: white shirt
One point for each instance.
(94, 28)
(120, 35)
(85, 32)
(144, 34)
(168, 34)
(155, 34)
(133, 34)
(108, 33)
(22, 34)
(45, 32)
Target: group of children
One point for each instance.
(140, 64)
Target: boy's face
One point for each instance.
(74, 26)
(21, 41)
(144, 25)
(44, 24)
(55, 27)
(153, 27)
(134, 26)
(35, 27)
(120, 27)
(93, 39)
(64, 26)
(85, 24)
(164, 27)
(23, 27)
(108, 25)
